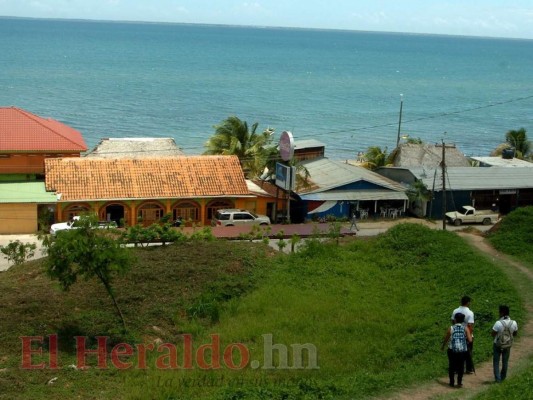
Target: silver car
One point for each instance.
(236, 217)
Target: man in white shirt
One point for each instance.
(468, 323)
(501, 330)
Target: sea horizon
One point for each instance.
(342, 87)
(262, 27)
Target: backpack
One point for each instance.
(458, 339)
(504, 339)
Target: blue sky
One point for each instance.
(497, 18)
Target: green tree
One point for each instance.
(87, 252)
(418, 194)
(302, 174)
(18, 252)
(497, 152)
(376, 157)
(411, 140)
(518, 140)
(234, 137)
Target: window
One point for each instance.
(242, 216)
(150, 213)
(222, 216)
(188, 211)
(75, 210)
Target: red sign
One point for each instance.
(286, 146)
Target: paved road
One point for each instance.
(366, 228)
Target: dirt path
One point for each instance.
(522, 349)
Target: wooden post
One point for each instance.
(443, 165)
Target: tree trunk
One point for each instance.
(117, 308)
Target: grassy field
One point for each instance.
(374, 310)
(515, 237)
(517, 387)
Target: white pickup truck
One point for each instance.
(65, 226)
(469, 215)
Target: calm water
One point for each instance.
(342, 88)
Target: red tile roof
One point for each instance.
(149, 178)
(23, 132)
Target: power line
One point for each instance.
(427, 117)
(385, 125)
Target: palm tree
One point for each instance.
(233, 137)
(376, 157)
(302, 175)
(418, 195)
(518, 140)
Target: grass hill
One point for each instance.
(514, 235)
(374, 310)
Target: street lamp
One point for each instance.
(400, 120)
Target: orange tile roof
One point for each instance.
(150, 178)
(21, 131)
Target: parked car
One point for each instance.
(469, 215)
(72, 224)
(236, 217)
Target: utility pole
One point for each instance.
(444, 193)
(399, 121)
(443, 165)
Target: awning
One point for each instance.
(355, 195)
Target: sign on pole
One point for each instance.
(285, 176)
(286, 146)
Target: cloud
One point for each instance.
(252, 6)
(378, 17)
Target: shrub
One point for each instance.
(18, 252)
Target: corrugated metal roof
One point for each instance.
(503, 162)
(354, 195)
(307, 143)
(472, 178)
(327, 174)
(25, 192)
(256, 189)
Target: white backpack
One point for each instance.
(504, 340)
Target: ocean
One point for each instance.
(115, 79)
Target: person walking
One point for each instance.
(503, 331)
(354, 221)
(468, 323)
(457, 337)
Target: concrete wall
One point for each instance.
(18, 218)
(24, 163)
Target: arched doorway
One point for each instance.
(215, 205)
(117, 212)
(150, 213)
(188, 211)
(75, 210)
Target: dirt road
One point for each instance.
(522, 348)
